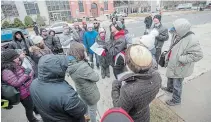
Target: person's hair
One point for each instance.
(77, 50)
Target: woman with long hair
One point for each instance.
(14, 74)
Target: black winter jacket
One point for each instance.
(148, 21)
(53, 44)
(134, 92)
(162, 37)
(54, 98)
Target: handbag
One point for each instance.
(10, 93)
(162, 61)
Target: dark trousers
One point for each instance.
(157, 55)
(91, 58)
(29, 107)
(175, 85)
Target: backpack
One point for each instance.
(116, 115)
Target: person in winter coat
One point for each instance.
(53, 34)
(36, 29)
(20, 42)
(104, 62)
(134, 90)
(148, 22)
(113, 22)
(115, 49)
(69, 35)
(51, 42)
(58, 101)
(38, 50)
(128, 38)
(181, 59)
(161, 38)
(79, 31)
(88, 41)
(84, 26)
(121, 19)
(96, 25)
(84, 77)
(17, 76)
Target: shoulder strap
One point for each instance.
(187, 34)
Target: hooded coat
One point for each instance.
(185, 53)
(54, 98)
(23, 44)
(85, 79)
(134, 92)
(89, 40)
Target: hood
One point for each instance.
(182, 26)
(52, 68)
(22, 36)
(119, 34)
(73, 65)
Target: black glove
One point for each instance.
(27, 71)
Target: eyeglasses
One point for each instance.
(95, 23)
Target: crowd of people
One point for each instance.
(37, 67)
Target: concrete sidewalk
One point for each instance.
(196, 100)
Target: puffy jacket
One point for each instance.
(115, 46)
(52, 43)
(162, 37)
(54, 98)
(23, 44)
(85, 79)
(134, 92)
(89, 40)
(185, 53)
(18, 80)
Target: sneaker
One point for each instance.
(167, 89)
(172, 103)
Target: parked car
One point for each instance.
(121, 14)
(7, 35)
(58, 27)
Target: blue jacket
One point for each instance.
(89, 40)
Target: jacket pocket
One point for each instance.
(183, 70)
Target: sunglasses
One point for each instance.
(95, 23)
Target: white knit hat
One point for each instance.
(101, 29)
(90, 26)
(37, 39)
(149, 40)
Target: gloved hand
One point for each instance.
(27, 71)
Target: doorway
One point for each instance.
(94, 10)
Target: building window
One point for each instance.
(106, 5)
(31, 8)
(81, 6)
(9, 9)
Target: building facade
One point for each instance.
(54, 10)
(88, 8)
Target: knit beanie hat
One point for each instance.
(118, 25)
(9, 55)
(90, 26)
(37, 39)
(138, 58)
(101, 29)
(149, 40)
(158, 17)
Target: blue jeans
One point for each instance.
(175, 85)
(92, 111)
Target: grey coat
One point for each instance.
(67, 38)
(162, 37)
(54, 98)
(85, 79)
(134, 92)
(184, 54)
(52, 43)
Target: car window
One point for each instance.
(57, 25)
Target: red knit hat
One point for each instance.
(83, 23)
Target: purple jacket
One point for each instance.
(18, 80)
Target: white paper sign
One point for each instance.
(97, 49)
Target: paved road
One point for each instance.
(137, 28)
(17, 114)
